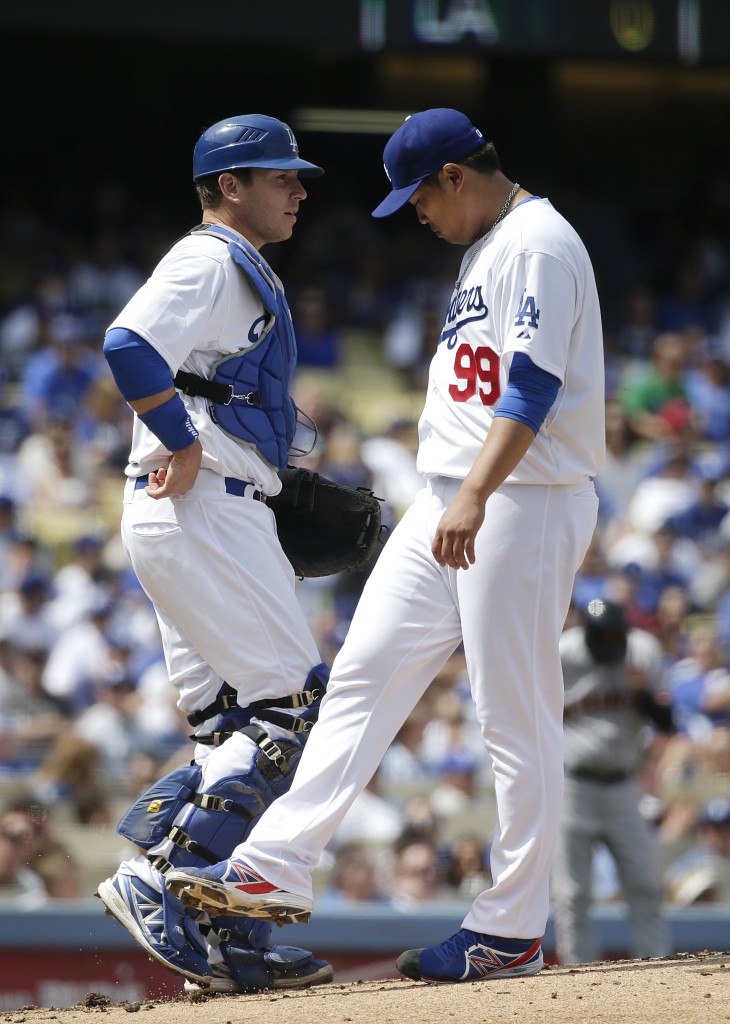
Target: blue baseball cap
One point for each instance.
(420, 147)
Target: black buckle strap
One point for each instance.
(260, 737)
(195, 386)
(290, 722)
(181, 838)
(186, 842)
(214, 739)
(265, 743)
(303, 699)
(162, 865)
(215, 934)
(226, 699)
(211, 802)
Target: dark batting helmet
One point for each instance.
(249, 140)
(606, 629)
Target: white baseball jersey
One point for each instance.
(530, 289)
(195, 309)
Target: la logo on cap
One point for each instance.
(292, 140)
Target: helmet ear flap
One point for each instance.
(606, 631)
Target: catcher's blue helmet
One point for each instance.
(249, 140)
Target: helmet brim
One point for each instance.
(305, 169)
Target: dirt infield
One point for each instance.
(684, 989)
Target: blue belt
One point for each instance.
(241, 488)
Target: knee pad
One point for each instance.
(200, 826)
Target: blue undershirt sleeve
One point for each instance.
(529, 394)
(138, 370)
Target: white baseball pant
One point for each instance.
(509, 608)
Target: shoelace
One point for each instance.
(458, 943)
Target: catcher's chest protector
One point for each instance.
(263, 414)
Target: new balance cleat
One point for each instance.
(470, 956)
(232, 887)
(160, 925)
(275, 967)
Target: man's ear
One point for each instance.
(228, 184)
(453, 175)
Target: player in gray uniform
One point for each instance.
(614, 680)
(510, 438)
(204, 353)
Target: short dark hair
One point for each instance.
(483, 160)
(208, 189)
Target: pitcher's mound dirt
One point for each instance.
(690, 988)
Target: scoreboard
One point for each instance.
(680, 31)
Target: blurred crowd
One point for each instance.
(87, 718)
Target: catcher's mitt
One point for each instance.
(324, 527)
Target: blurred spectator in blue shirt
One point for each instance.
(24, 611)
(699, 685)
(700, 520)
(25, 328)
(655, 563)
(55, 380)
(708, 391)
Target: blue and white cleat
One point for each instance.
(470, 956)
(232, 887)
(160, 924)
